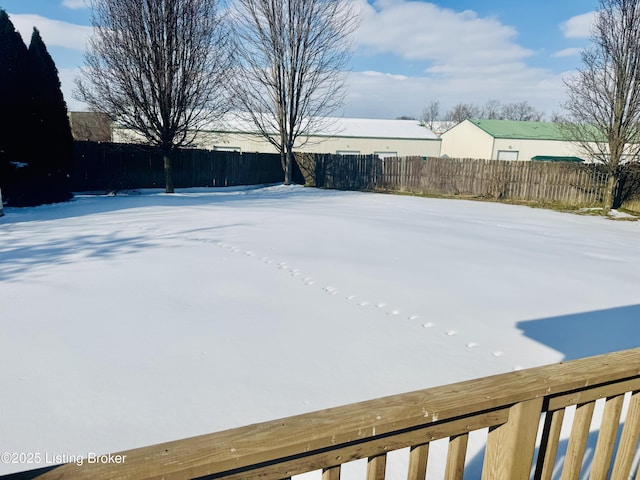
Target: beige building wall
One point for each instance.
(466, 140)
(405, 147)
(526, 149)
(345, 145)
(402, 147)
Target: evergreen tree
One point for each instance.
(14, 98)
(51, 156)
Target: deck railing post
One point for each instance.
(510, 446)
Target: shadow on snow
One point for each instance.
(576, 336)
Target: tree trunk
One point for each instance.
(289, 169)
(616, 192)
(612, 199)
(168, 172)
(284, 159)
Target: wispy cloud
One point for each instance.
(372, 73)
(578, 26)
(75, 4)
(54, 32)
(567, 52)
(67, 79)
(462, 55)
(384, 95)
(451, 43)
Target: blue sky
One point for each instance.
(406, 53)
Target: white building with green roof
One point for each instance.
(509, 140)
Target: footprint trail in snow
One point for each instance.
(308, 281)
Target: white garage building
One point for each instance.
(509, 140)
(347, 136)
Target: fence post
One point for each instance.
(510, 447)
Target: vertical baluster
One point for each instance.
(549, 445)
(331, 473)
(456, 456)
(376, 467)
(418, 456)
(606, 438)
(577, 441)
(628, 440)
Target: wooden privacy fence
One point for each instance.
(563, 183)
(117, 166)
(511, 409)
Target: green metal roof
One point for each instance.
(520, 130)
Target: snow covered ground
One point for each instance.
(132, 320)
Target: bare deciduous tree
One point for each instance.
(462, 111)
(492, 110)
(520, 112)
(431, 114)
(292, 54)
(603, 103)
(157, 67)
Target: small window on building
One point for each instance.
(347, 152)
(507, 155)
(386, 154)
(224, 148)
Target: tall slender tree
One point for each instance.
(159, 68)
(51, 156)
(14, 97)
(603, 106)
(292, 54)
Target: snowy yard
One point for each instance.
(133, 320)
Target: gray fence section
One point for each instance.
(564, 183)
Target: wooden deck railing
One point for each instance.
(511, 407)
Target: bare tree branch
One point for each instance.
(603, 106)
(462, 111)
(520, 112)
(431, 115)
(158, 67)
(292, 55)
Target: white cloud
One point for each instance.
(567, 52)
(578, 26)
(370, 73)
(463, 57)
(53, 32)
(384, 95)
(450, 41)
(67, 80)
(75, 4)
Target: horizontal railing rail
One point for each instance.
(514, 409)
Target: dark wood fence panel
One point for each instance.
(562, 183)
(114, 166)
